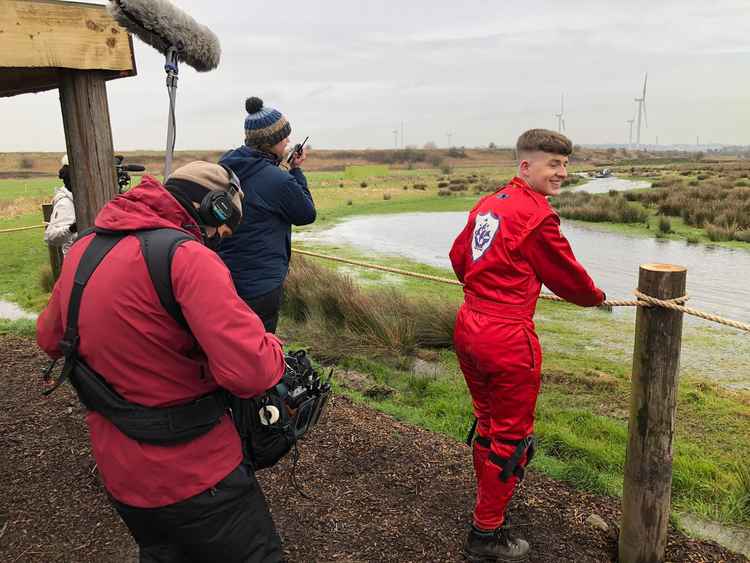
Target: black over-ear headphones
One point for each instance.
(217, 207)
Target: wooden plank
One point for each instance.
(28, 80)
(88, 136)
(647, 486)
(54, 34)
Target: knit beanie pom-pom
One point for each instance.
(253, 105)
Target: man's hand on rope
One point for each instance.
(604, 306)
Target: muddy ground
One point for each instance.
(380, 490)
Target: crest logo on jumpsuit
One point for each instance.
(485, 228)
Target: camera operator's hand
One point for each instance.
(297, 160)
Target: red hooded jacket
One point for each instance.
(129, 339)
(511, 245)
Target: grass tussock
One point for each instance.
(345, 319)
(46, 279)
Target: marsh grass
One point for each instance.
(613, 207)
(348, 319)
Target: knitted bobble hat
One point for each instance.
(264, 125)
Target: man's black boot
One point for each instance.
(498, 545)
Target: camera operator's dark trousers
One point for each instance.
(267, 307)
(229, 523)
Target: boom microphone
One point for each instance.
(133, 168)
(175, 34)
(162, 25)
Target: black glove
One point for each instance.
(73, 228)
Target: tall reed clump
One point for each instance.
(665, 225)
(342, 318)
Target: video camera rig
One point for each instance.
(123, 178)
(271, 424)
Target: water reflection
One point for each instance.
(716, 276)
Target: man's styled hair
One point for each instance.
(543, 140)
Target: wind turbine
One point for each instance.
(395, 138)
(630, 135)
(561, 116)
(449, 134)
(641, 111)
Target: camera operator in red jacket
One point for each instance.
(195, 500)
(510, 246)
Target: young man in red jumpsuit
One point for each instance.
(511, 245)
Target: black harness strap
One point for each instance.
(92, 257)
(158, 247)
(483, 441)
(152, 425)
(511, 466)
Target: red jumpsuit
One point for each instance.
(511, 245)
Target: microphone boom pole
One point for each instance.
(172, 70)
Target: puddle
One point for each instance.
(732, 537)
(13, 312)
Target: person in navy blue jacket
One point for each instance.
(258, 253)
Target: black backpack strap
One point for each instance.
(92, 257)
(158, 247)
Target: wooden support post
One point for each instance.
(55, 252)
(88, 136)
(647, 488)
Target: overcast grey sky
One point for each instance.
(347, 72)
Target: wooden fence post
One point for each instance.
(88, 135)
(646, 498)
(55, 252)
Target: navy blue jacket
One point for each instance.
(258, 253)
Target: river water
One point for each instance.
(717, 278)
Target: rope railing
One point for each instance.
(16, 229)
(643, 300)
(675, 305)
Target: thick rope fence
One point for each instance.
(642, 301)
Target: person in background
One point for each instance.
(511, 245)
(275, 199)
(61, 230)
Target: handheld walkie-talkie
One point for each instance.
(296, 151)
